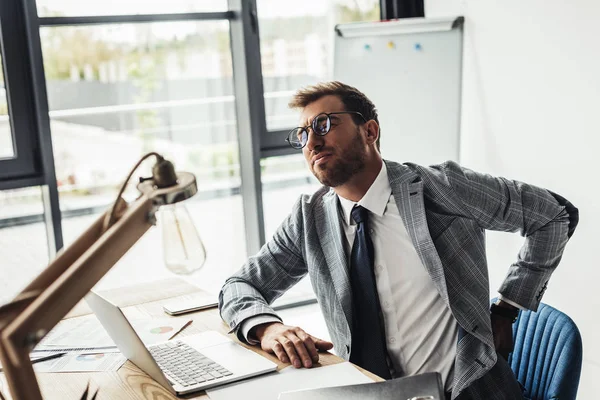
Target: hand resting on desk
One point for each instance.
(290, 343)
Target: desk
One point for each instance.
(129, 382)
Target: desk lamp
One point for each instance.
(70, 276)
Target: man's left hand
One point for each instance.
(503, 335)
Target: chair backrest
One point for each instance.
(548, 353)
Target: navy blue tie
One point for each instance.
(368, 339)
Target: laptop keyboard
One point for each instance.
(185, 365)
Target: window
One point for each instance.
(284, 179)
(23, 243)
(69, 8)
(119, 85)
(6, 142)
(296, 41)
(296, 50)
(118, 91)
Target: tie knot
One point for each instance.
(359, 214)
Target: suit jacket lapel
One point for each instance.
(407, 189)
(331, 236)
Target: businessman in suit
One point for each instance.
(396, 256)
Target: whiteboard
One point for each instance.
(411, 69)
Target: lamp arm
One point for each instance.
(63, 260)
(64, 282)
(111, 216)
(47, 299)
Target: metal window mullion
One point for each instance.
(134, 18)
(50, 198)
(18, 183)
(388, 9)
(392, 9)
(250, 114)
(24, 164)
(278, 148)
(278, 152)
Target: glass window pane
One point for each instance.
(284, 179)
(6, 142)
(121, 91)
(296, 44)
(23, 243)
(71, 8)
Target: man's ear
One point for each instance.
(372, 129)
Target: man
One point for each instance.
(396, 257)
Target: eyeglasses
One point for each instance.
(321, 124)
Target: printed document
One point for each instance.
(82, 363)
(87, 333)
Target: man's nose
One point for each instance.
(314, 141)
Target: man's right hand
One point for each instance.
(290, 343)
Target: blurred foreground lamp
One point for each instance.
(67, 279)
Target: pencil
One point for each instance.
(49, 357)
(43, 358)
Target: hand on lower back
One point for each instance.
(503, 335)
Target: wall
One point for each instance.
(531, 111)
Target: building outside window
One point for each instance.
(23, 243)
(123, 90)
(76, 8)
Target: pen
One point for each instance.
(48, 357)
(43, 358)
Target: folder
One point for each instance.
(426, 386)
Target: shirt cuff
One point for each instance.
(251, 322)
(512, 303)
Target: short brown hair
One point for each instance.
(352, 98)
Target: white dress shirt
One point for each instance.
(421, 332)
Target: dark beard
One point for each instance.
(353, 162)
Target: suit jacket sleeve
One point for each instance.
(266, 276)
(545, 219)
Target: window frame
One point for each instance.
(25, 166)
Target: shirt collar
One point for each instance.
(375, 200)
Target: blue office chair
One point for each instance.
(547, 355)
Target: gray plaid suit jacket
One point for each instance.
(446, 209)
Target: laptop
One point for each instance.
(426, 386)
(190, 364)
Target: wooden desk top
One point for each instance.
(129, 382)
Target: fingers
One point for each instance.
(322, 345)
(280, 352)
(309, 344)
(293, 345)
(290, 350)
(300, 346)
